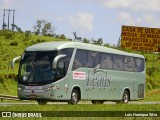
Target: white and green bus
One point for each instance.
(74, 71)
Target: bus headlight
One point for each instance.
(20, 89)
(50, 88)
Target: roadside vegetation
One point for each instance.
(12, 44)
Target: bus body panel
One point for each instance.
(94, 83)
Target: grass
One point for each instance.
(82, 107)
(19, 43)
(14, 45)
(8, 87)
(75, 110)
(152, 95)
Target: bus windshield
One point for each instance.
(36, 68)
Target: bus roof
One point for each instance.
(48, 46)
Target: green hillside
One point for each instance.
(12, 44)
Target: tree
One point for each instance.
(98, 42)
(44, 27)
(85, 40)
(62, 36)
(37, 27)
(18, 29)
(4, 26)
(75, 37)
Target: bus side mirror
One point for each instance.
(14, 60)
(55, 61)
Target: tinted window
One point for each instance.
(129, 64)
(106, 61)
(68, 52)
(36, 68)
(93, 59)
(118, 62)
(80, 59)
(139, 64)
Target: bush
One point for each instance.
(14, 43)
(37, 41)
(62, 36)
(27, 36)
(10, 76)
(8, 34)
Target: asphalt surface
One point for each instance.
(86, 102)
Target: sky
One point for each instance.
(91, 19)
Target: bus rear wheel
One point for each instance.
(125, 97)
(97, 101)
(74, 97)
(42, 102)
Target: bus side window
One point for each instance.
(80, 59)
(68, 52)
(139, 64)
(106, 61)
(129, 64)
(93, 59)
(118, 62)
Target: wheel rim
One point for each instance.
(74, 97)
(125, 98)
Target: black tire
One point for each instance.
(74, 97)
(125, 97)
(97, 101)
(42, 102)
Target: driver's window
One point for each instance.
(61, 68)
(68, 52)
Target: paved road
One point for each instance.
(35, 103)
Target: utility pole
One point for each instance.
(3, 19)
(13, 21)
(8, 10)
(8, 18)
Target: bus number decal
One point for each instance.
(79, 75)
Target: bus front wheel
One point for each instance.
(74, 97)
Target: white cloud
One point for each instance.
(134, 12)
(148, 19)
(151, 20)
(123, 16)
(81, 22)
(143, 5)
(7, 4)
(115, 3)
(126, 18)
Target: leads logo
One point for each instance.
(98, 78)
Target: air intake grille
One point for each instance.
(140, 90)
